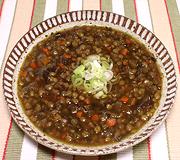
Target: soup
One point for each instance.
(89, 85)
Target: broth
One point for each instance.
(75, 115)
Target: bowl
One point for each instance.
(79, 18)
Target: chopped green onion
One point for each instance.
(99, 94)
(78, 81)
(94, 74)
(105, 64)
(79, 70)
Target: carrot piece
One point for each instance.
(45, 61)
(63, 136)
(61, 65)
(95, 117)
(46, 51)
(79, 114)
(67, 56)
(33, 65)
(128, 41)
(73, 59)
(124, 99)
(61, 42)
(23, 73)
(125, 62)
(111, 122)
(61, 98)
(109, 49)
(124, 51)
(87, 101)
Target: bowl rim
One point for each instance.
(94, 15)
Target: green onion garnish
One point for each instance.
(94, 74)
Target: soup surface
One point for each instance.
(89, 85)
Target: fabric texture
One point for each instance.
(161, 17)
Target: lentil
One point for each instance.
(70, 114)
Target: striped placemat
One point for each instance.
(160, 16)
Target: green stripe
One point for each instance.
(140, 151)
(107, 5)
(109, 157)
(85, 158)
(14, 143)
(129, 9)
(150, 16)
(167, 140)
(175, 20)
(44, 153)
(38, 12)
(1, 2)
(62, 6)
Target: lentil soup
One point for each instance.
(89, 85)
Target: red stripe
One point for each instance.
(135, 7)
(148, 139)
(10, 125)
(68, 6)
(172, 34)
(149, 148)
(34, 4)
(53, 155)
(1, 8)
(100, 5)
(7, 138)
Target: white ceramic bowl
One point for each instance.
(78, 18)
